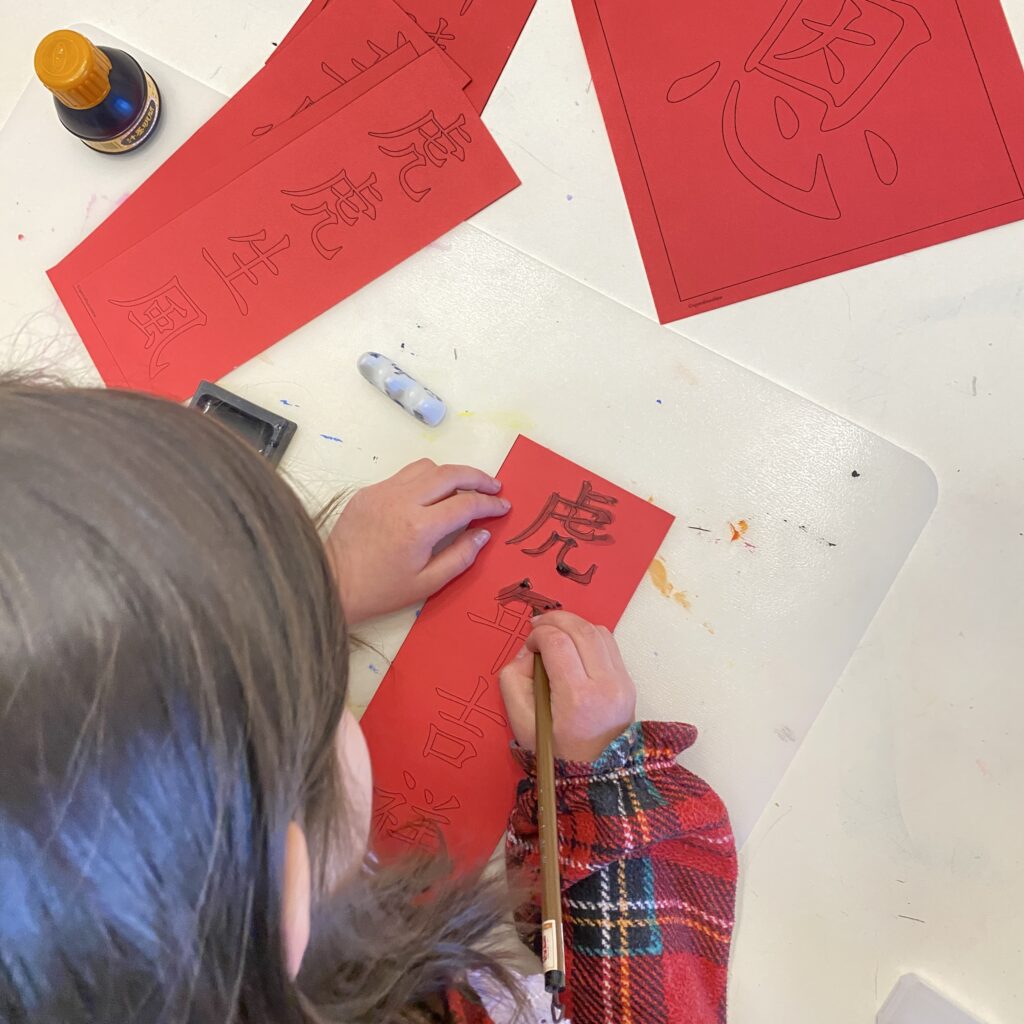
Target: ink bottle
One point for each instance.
(101, 94)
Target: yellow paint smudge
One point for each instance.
(658, 575)
(503, 419)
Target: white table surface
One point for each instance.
(896, 841)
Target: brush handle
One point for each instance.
(552, 938)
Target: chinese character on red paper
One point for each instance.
(516, 605)
(839, 53)
(449, 747)
(583, 520)
(411, 819)
(246, 268)
(470, 706)
(439, 35)
(341, 201)
(307, 101)
(430, 142)
(162, 316)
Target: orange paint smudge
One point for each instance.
(738, 529)
(658, 575)
(707, 626)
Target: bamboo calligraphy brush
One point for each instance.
(552, 938)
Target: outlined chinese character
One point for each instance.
(163, 315)
(453, 750)
(432, 143)
(439, 35)
(464, 10)
(247, 268)
(840, 53)
(340, 201)
(308, 101)
(516, 606)
(470, 706)
(420, 824)
(584, 519)
(379, 52)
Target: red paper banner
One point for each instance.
(354, 52)
(478, 35)
(762, 143)
(296, 233)
(437, 732)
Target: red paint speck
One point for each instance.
(21, 238)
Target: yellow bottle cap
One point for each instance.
(74, 70)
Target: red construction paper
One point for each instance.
(343, 56)
(295, 234)
(126, 228)
(478, 35)
(437, 732)
(764, 143)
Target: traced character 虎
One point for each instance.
(430, 142)
(584, 520)
(341, 201)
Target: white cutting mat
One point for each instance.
(913, 1002)
(745, 637)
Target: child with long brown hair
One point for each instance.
(184, 800)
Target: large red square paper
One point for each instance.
(438, 737)
(764, 143)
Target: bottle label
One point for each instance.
(141, 126)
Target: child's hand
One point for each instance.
(593, 698)
(382, 547)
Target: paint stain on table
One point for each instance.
(658, 575)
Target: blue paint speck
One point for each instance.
(658, 400)
(331, 437)
(284, 401)
(375, 670)
(418, 611)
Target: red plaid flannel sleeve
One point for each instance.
(648, 867)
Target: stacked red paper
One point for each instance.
(351, 150)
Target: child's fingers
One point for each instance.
(446, 480)
(453, 560)
(589, 642)
(516, 682)
(460, 510)
(560, 655)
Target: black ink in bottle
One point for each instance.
(102, 95)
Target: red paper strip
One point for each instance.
(763, 143)
(478, 35)
(300, 231)
(436, 728)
